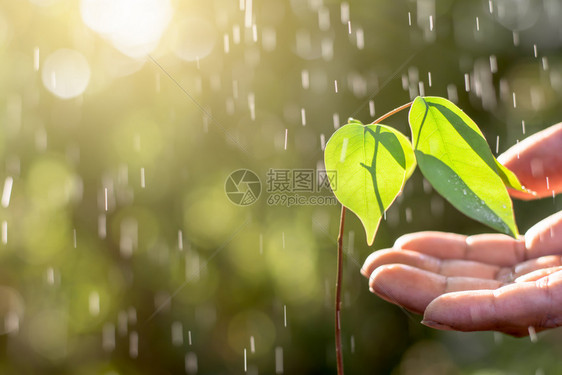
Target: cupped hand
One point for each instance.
(475, 283)
(488, 281)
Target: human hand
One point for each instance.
(489, 281)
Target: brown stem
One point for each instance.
(394, 111)
(339, 354)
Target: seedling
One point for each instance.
(374, 161)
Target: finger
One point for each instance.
(545, 237)
(511, 309)
(538, 274)
(445, 267)
(496, 249)
(533, 265)
(535, 159)
(414, 288)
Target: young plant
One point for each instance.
(374, 161)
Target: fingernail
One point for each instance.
(433, 324)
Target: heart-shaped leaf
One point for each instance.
(455, 158)
(372, 163)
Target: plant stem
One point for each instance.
(394, 111)
(339, 354)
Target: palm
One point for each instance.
(483, 282)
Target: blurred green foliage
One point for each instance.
(121, 253)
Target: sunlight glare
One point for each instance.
(134, 27)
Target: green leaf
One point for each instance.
(509, 178)
(455, 158)
(372, 163)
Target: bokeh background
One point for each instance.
(121, 120)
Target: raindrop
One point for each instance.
(226, 44)
(336, 120)
(102, 226)
(467, 82)
(252, 105)
(4, 232)
(252, 344)
(94, 303)
(108, 337)
(278, 360)
(523, 126)
(544, 61)
(372, 108)
(490, 6)
(189, 338)
(105, 199)
(129, 237)
(236, 34)
(254, 33)
(180, 240)
(431, 23)
(134, 344)
(322, 141)
(515, 38)
(285, 314)
(50, 276)
(535, 50)
(352, 344)
(409, 19)
(547, 184)
(429, 78)
(268, 38)
(12, 322)
(41, 139)
(74, 237)
(327, 49)
(36, 59)
(286, 133)
(497, 144)
(436, 206)
(122, 322)
(343, 150)
(405, 83)
(477, 24)
(305, 79)
(514, 100)
(336, 86)
(177, 333)
(493, 64)
(248, 14)
(235, 89)
(7, 192)
(245, 361)
(344, 9)
(303, 116)
(532, 334)
(142, 180)
(324, 19)
(409, 215)
(360, 38)
(191, 363)
(421, 88)
(349, 27)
